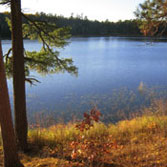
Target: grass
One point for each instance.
(139, 142)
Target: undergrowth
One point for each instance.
(138, 142)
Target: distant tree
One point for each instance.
(80, 27)
(85, 17)
(8, 137)
(4, 29)
(152, 17)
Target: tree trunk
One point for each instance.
(9, 143)
(21, 126)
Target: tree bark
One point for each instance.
(21, 126)
(8, 137)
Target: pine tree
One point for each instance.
(152, 17)
(20, 62)
(21, 126)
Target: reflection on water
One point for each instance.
(110, 71)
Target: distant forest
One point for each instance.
(80, 25)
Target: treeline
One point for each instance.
(80, 26)
(4, 28)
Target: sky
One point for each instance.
(113, 10)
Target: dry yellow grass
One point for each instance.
(140, 142)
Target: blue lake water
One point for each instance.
(110, 70)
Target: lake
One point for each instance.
(111, 71)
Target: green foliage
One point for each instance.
(46, 60)
(152, 17)
(47, 33)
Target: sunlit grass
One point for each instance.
(53, 136)
(138, 142)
